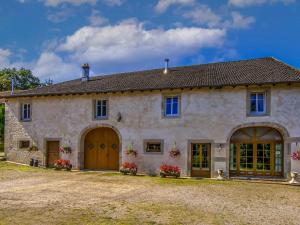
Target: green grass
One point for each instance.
(15, 167)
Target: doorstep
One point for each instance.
(266, 180)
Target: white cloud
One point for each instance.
(55, 3)
(129, 43)
(163, 5)
(113, 2)
(50, 65)
(244, 3)
(96, 19)
(203, 15)
(239, 21)
(60, 16)
(4, 57)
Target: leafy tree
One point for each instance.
(23, 79)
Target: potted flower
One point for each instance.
(174, 153)
(62, 164)
(295, 155)
(170, 171)
(65, 149)
(58, 164)
(128, 168)
(130, 151)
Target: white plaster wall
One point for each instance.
(205, 114)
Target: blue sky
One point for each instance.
(54, 37)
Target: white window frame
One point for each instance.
(26, 116)
(154, 141)
(178, 106)
(101, 105)
(265, 103)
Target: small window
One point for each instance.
(171, 106)
(257, 103)
(26, 112)
(101, 108)
(24, 144)
(153, 146)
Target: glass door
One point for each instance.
(200, 160)
(263, 159)
(246, 159)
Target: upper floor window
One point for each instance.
(101, 108)
(171, 106)
(26, 112)
(258, 103)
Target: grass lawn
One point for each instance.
(43, 196)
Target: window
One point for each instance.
(101, 108)
(171, 106)
(153, 146)
(258, 103)
(24, 144)
(26, 112)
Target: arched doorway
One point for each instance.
(101, 149)
(256, 151)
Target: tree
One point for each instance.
(23, 79)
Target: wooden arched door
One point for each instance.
(101, 149)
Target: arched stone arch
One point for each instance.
(83, 134)
(281, 129)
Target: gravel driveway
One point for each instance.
(43, 196)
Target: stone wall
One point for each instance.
(207, 115)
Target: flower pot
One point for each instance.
(294, 176)
(220, 174)
(31, 163)
(69, 167)
(36, 163)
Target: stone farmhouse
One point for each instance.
(241, 116)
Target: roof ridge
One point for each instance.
(177, 67)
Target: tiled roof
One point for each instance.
(246, 72)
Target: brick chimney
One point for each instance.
(85, 72)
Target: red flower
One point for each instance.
(62, 162)
(128, 165)
(296, 155)
(169, 169)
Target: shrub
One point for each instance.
(169, 170)
(128, 168)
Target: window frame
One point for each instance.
(95, 107)
(154, 141)
(266, 103)
(20, 144)
(164, 106)
(22, 109)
